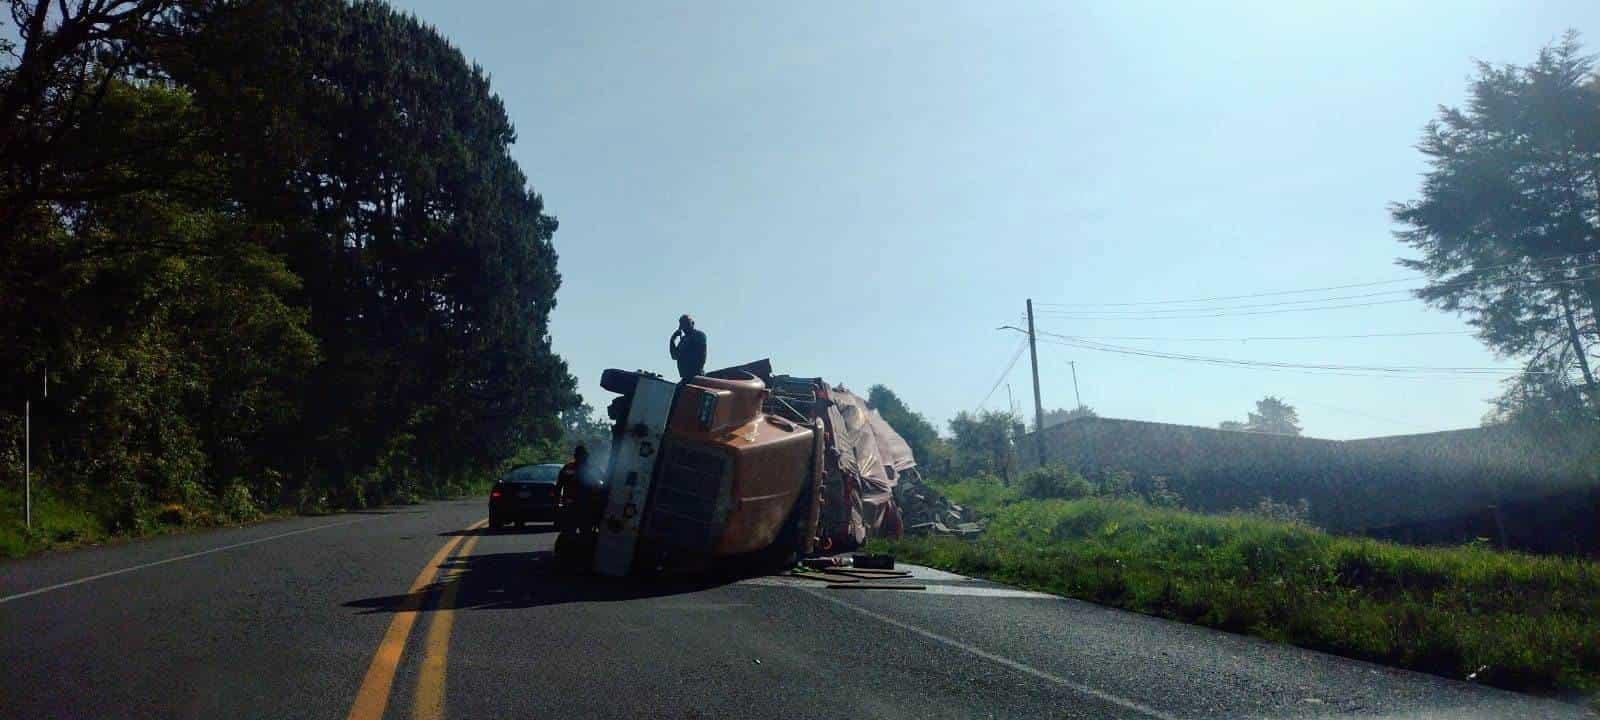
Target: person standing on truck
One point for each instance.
(688, 347)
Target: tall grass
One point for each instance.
(984, 493)
(55, 523)
(1506, 619)
(63, 522)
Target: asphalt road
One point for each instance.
(408, 613)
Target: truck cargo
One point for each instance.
(740, 465)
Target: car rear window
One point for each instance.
(537, 474)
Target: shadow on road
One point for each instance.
(505, 581)
(538, 529)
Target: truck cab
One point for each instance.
(706, 470)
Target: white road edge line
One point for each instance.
(101, 576)
(1008, 662)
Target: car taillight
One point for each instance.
(494, 493)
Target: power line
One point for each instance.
(1264, 338)
(1387, 369)
(1360, 296)
(1310, 366)
(1320, 373)
(1347, 286)
(1006, 373)
(1227, 311)
(1217, 314)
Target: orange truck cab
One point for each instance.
(709, 469)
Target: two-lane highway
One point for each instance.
(421, 613)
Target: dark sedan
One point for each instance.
(525, 494)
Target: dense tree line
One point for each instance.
(268, 253)
(931, 452)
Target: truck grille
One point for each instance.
(688, 487)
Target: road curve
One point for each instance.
(417, 613)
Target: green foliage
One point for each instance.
(1530, 623)
(1505, 223)
(982, 442)
(300, 270)
(1054, 482)
(985, 494)
(1298, 513)
(544, 451)
(580, 426)
(1159, 494)
(55, 523)
(1057, 416)
(237, 504)
(926, 445)
(1272, 415)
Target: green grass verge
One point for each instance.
(55, 524)
(1511, 620)
(62, 525)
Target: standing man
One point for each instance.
(688, 347)
(570, 490)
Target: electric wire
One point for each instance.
(1347, 286)
(1317, 373)
(1360, 296)
(1272, 338)
(1005, 373)
(1070, 341)
(1230, 311)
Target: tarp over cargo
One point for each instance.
(871, 455)
(871, 487)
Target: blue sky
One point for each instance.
(865, 191)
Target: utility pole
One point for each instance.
(1038, 406)
(1074, 364)
(27, 463)
(27, 454)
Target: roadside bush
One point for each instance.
(1113, 483)
(1159, 494)
(237, 505)
(1054, 483)
(130, 508)
(1154, 490)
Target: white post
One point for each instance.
(27, 462)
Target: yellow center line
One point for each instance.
(373, 697)
(429, 701)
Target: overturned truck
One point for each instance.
(740, 465)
